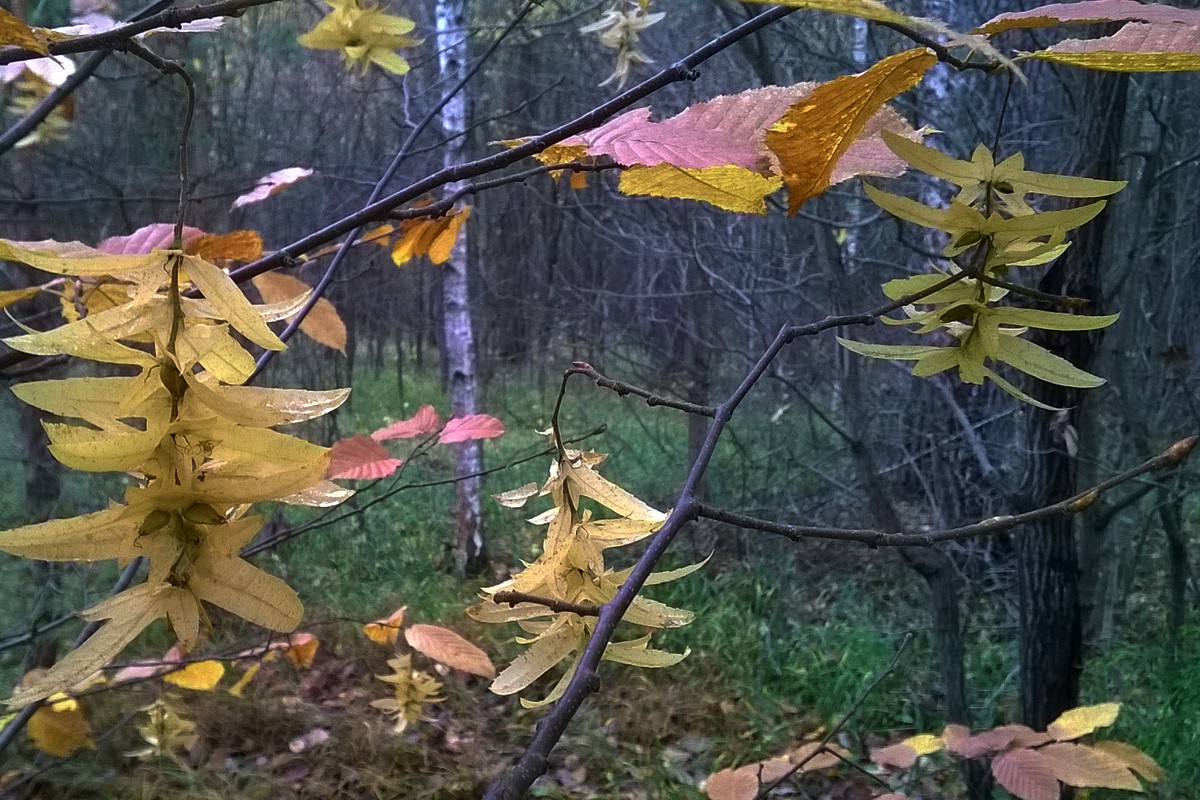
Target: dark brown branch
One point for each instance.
(116, 38)
(1168, 459)
(623, 389)
(554, 604)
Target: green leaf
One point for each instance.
(1044, 365)
(1051, 320)
(898, 352)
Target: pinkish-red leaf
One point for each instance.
(361, 458)
(896, 755)
(983, 744)
(156, 236)
(472, 426)
(425, 421)
(268, 185)
(729, 130)
(1026, 774)
(1089, 11)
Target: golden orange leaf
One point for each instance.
(811, 137)
(234, 246)
(323, 324)
(302, 648)
(202, 676)
(433, 238)
(60, 728)
(385, 631)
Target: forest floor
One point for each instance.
(786, 640)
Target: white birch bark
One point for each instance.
(458, 352)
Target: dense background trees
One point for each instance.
(680, 299)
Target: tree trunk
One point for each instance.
(1051, 635)
(458, 351)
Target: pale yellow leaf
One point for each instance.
(220, 290)
(1083, 720)
(245, 590)
(539, 659)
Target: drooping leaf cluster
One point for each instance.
(992, 228)
(200, 446)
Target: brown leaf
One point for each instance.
(1079, 765)
(447, 647)
(323, 324)
(1026, 774)
(812, 136)
(982, 744)
(896, 755)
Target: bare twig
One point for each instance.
(552, 603)
(1168, 459)
(622, 388)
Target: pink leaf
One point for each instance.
(425, 421)
(270, 184)
(1026, 774)
(156, 236)
(1088, 11)
(361, 458)
(472, 426)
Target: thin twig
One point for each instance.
(552, 603)
(622, 388)
(1168, 459)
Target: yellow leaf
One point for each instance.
(924, 743)
(433, 238)
(1133, 758)
(539, 659)
(59, 729)
(447, 647)
(1083, 720)
(385, 631)
(811, 137)
(10, 296)
(91, 537)
(259, 407)
(239, 688)
(638, 653)
(128, 613)
(74, 258)
(15, 32)
(202, 676)
(730, 188)
(220, 290)
(323, 324)
(245, 590)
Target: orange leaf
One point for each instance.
(1026, 774)
(579, 180)
(323, 324)
(60, 728)
(1133, 758)
(433, 238)
(361, 458)
(302, 648)
(234, 246)
(13, 31)
(744, 783)
(384, 631)
(425, 421)
(471, 427)
(449, 648)
(815, 132)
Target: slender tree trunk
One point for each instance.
(458, 352)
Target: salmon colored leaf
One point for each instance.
(156, 236)
(899, 755)
(1133, 758)
(1079, 765)
(323, 324)
(1137, 47)
(424, 422)
(1089, 11)
(447, 647)
(271, 184)
(471, 427)
(1027, 774)
(745, 783)
(361, 458)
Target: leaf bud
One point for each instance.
(156, 520)
(203, 514)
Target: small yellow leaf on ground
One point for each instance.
(59, 729)
(202, 676)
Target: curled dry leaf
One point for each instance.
(515, 498)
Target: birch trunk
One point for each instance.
(458, 351)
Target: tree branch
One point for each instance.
(622, 389)
(552, 603)
(1168, 459)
